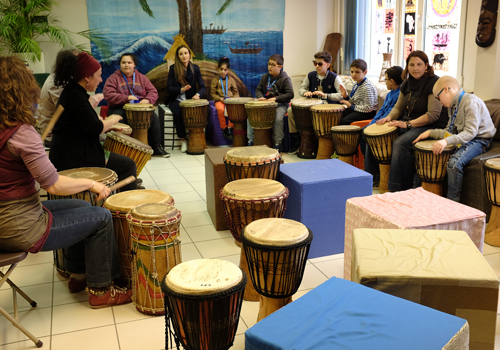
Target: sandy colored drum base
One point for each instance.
(492, 233)
(263, 137)
(197, 142)
(141, 135)
(269, 305)
(250, 292)
(436, 188)
(347, 159)
(385, 169)
(325, 148)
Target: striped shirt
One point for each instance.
(365, 98)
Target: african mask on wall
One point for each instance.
(485, 35)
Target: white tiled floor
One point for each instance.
(65, 321)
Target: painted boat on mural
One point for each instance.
(217, 31)
(246, 50)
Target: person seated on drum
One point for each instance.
(362, 102)
(469, 128)
(128, 85)
(75, 141)
(220, 89)
(31, 225)
(416, 110)
(274, 86)
(320, 83)
(184, 82)
(393, 81)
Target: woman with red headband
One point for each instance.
(75, 142)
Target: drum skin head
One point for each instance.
(102, 175)
(126, 128)
(139, 107)
(118, 136)
(276, 232)
(376, 129)
(251, 154)
(260, 104)
(306, 102)
(194, 103)
(126, 201)
(428, 144)
(345, 128)
(203, 276)
(238, 100)
(154, 212)
(327, 107)
(493, 163)
(253, 189)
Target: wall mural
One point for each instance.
(245, 32)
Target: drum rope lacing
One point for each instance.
(253, 169)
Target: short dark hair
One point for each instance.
(324, 55)
(359, 63)
(395, 73)
(277, 58)
(224, 60)
(132, 56)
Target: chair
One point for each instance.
(359, 158)
(13, 259)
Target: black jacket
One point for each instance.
(174, 87)
(282, 89)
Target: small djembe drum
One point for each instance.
(103, 175)
(120, 205)
(276, 251)
(236, 113)
(492, 178)
(261, 115)
(203, 298)
(125, 129)
(125, 145)
(156, 249)
(301, 109)
(324, 117)
(247, 200)
(346, 140)
(194, 114)
(431, 168)
(139, 119)
(380, 139)
(252, 162)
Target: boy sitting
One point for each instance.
(274, 86)
(362, 102)
(470, 128)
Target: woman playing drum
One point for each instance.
(30, 225)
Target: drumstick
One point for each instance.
(53, 121)
(122, 183)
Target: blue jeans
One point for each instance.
(88, 236)
(458, 161)
(278, 133)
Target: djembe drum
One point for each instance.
(236, 113)
(203, 298)
(324, 117)
(125, 145)
(252, 162)
(380, 139)
(301, 109)
(492, 178)
(261, 115)
(276, 251)
(139, 119)
(431, 168)
(125, 129)
(247, 200)
(346, 140)
(154, 230)
(194, 114)
(120, 205)
(103, 175)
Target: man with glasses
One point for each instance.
(320, 83)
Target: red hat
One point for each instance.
(87, 65)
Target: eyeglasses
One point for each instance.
(320, 64)
(437, 96)
(269, 64)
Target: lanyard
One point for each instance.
(222, 84)
(355, 87)
(269, 85)
(455, 113)
(133, 84)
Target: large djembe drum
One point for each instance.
(324, 117)
(120, 205)
(139, 119)
(492, 178)
(276, 251)
(346, 140)
(139, 152)
(236, 113)
(252, 162)
(261, 115)
(301, 109)
(247, 200)
(103, 175)
(379, 139)
(431, 168)
(156, 249)
(194, 113)
(203, 298)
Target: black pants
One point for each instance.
(123, 167)
(178, 120)
(349, 116)
(154, 131)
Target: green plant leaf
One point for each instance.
(146, 8)
(224, 7)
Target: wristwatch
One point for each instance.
(408, 125)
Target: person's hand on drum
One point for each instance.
(343, 91)
(144, 100)
(346, 103)
(439, 146)
(422, 136)
(262, 99)
(100, 189)
(383, 120)
(94, 100)
(273, 99)
(132, 97)
(308, 94)
(319, 93)
(185, 88)
(398, 123)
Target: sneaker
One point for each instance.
(76, 285)
(294, 148)
(184, 146)
(250, 143)
(228, 133)
(159, 151)
(139, 181)
(113, 296)
(277, 147)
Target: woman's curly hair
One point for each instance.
(19, 93)
(66, 67)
